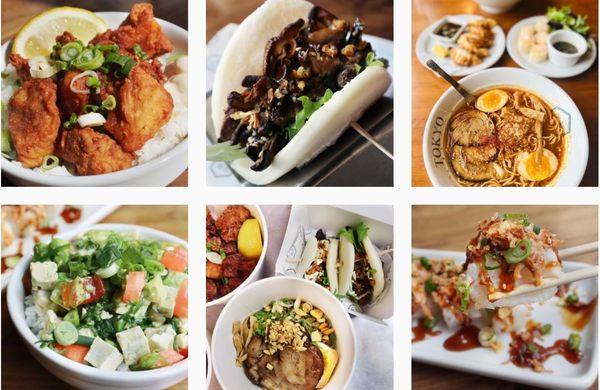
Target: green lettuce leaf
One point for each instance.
(224, 151)
(308, 108)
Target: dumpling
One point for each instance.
(541, 38)
(538, 53)
(526, 39)
(542, 26)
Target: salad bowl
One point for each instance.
(80, 375)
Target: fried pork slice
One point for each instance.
(143, 107)
(140, 28)
(230, 221)
(92, 153)
(33, 121)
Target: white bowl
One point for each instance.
(80, 375)
(252, 299)
(158, 172)
(255, 275)
(575, 161)
(566, 59)
(496, 6)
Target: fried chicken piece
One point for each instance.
(143, 107)
(154, 68)
(92, 153)
(21, 65)
(33, 121)
(69, 101)
(230, 221)
(65, 37)
(139, 28)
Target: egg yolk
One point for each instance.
(491, 100)
(537, 171)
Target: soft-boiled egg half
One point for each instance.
(491, 100)
(531, 170)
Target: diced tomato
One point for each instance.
(171, 356)
(175, 260)
(183, 351)
(181, 301)
(134, 285)
(82, 291)
(74, 352)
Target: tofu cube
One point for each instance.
(167, 305)
(104, 356)
(44, 275)
(160, 338)
(133, 343)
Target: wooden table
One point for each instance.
(573, 224)
(375, 13)
(15, 13)
(427, 88)
(19, 368)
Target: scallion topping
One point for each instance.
(109, 103)
(71, 50)
(50, 161)
(518, 253)
(491, 261)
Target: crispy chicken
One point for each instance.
(21, 65)
(91, 152)
(139, 28)
(33, 121)
(69, 101)
(144, 106)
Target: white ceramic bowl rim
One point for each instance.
(263, 226)
(571, 37)
(169, 29)
(92, 373)
(573, 179)
(269, 280)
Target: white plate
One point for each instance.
(483, 361)
(158, 172)
(546, 68)
(426, 42)
(577, 148)
(89, 216)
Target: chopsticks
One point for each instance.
(569, 277)
(359, 129)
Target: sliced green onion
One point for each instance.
(89, 59)
(430, 286)
(485, 241)
(574, 341)
(491, 261)
(70, 51)
(61, 65)
(425, 263)
(109, 48)
(514, 216)
(71, 122)
(137, 49)
(12, 261)
(465, 292)
(430, 323)
(90, 108)
(536, 229)
(174, 57)
(50, 161)
(93, 82)
(110, 103)
(572, 298)
(546, 329)
(519, 253)
(65, 333)
(532, 347)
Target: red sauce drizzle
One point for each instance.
(522, 356)
(464, 339)
(577, 315)
(48, 230)
(421, 331)
(71, 214)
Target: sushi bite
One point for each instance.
(509, 252)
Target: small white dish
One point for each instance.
(496, 6)
(560, 58)
(426, 42)
(546, 68)
(158, 172)
(484, 361)
(253, 298)
(577, 147)
(448, 19)
(89, 216)
(255, 275)
(81, 375)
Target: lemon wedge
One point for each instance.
(38, 35)
(250, 239)
(330, 359)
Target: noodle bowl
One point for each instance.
(510, 137)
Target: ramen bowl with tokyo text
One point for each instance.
(572, 164)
